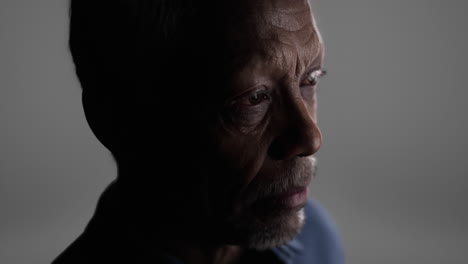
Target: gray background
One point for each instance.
(392, 110)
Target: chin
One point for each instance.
(264, 232)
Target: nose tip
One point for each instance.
(301, 142)
(311, 143)
(299, 134)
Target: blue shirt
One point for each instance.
(317, 243)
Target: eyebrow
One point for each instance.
(314, 61)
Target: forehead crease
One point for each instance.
(304, 48)
(285, 34)
(315, 46)
(288, 21)
(307, 57)
(303, 36)
(289, 5)
(289, 58)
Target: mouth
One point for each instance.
(285, 191)
(296, 198)
(291, 200)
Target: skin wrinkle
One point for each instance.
(304, 167)
(270, 34)
(290, 5)
(280, 57)
(283, 57)
(304, 37)
(284, 50)
(290, 22)
(287, 32)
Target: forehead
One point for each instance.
(283, 17)
(282, 32)
(289, 26)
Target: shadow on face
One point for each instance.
(218, 127)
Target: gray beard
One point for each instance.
(278, 232)
(261, 232)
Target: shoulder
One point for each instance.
(101, 241)
(320, 237)
(76, 253)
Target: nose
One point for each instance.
(299, 137)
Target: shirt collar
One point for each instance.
(288, 251)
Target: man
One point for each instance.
(209, 109)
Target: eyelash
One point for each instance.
(312, 80)
(261, 94)
(314, 76)
(249, 109)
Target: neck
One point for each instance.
(157, 235)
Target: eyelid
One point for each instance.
(248, 91)
(317, 73)
(254, 89)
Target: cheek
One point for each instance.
(246, 121)
(310, 100)
(313, 108)
(232, 167)
(242, 153)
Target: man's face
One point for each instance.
(259, 161)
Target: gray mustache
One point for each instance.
(296, 174)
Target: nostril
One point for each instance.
(295, 144)
(287, 147)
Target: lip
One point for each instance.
(291, 199)
(294, 198)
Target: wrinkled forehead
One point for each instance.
(291, 23)
(270, 26)
(284, 17)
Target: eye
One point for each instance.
(309, 84)
(253, 98)
(248, 110)
(258, 97)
